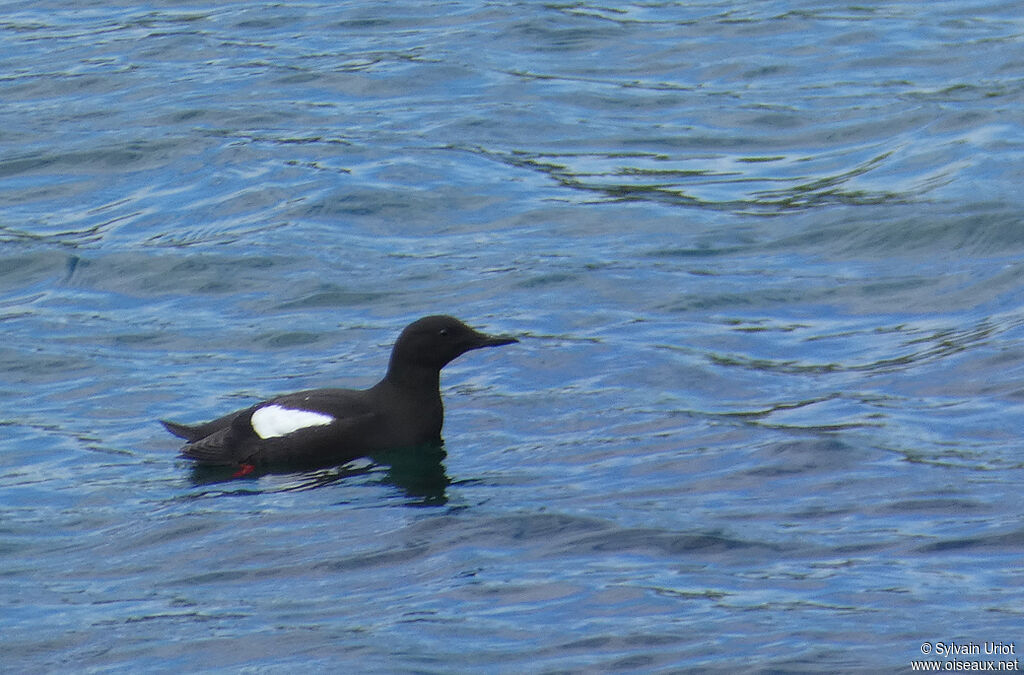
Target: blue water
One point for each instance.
(765, 259)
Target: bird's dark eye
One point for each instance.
(443, 332)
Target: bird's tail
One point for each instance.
(181, 430)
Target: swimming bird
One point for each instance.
(322, 427)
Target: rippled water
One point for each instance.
(765, 259)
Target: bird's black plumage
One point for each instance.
(329, 426)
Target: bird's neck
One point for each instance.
(412, 397)
(414, 378)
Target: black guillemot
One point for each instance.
(322, 427)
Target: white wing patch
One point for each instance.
(273, 421)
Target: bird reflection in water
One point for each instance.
(418, 472)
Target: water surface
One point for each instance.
(765, 260)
